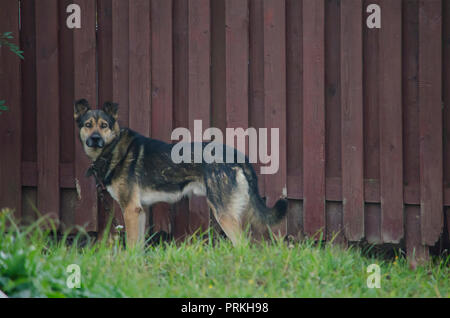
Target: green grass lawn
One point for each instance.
(33, 265)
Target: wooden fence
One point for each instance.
(363, 114)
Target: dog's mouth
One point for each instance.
(95, 141)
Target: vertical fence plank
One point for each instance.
(294, 98)
(352, 119)
(104, 49)
(371, 133)
(47, 104)
(236, 63)
(161, 84)
(139, 78)
(28, 91)
(180, 100)
(333, 91)
(446, 98)
(161, 91)
(411, 160)
(256, 75)
(68, 197)
(218, 66)
(430, 117)
(28, 69)
(333, 166)
(229, 69)
(275, 96)
(415, 250)
(85, 87)
(120, 59)
(65, 58)
(10, 120)
(198, 90)
(313, 117)
(391, 164)
(294, 116)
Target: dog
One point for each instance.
(138, 171)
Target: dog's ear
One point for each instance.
(81, 107)
(111, 109)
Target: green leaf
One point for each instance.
(12, 47)
(3, 107)
(7, 35)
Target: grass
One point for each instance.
(32, 264)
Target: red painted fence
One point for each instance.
(363, 113)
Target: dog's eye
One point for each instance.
(104, 125)
(88, 125)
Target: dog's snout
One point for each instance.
(95, 140)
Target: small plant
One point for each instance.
(5, 41)
(3, 107)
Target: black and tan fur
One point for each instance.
(138, 171)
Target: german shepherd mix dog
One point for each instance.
(139, 171)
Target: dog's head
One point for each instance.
(98, 127)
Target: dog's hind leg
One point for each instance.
(232, 228)
(229, 224)
(229, 202)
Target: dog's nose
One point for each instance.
(95, 141)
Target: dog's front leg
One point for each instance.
(133, 214)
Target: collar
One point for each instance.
(100, 167)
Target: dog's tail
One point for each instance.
(266, 215)
(274, 215)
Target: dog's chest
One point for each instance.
(112, 191)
